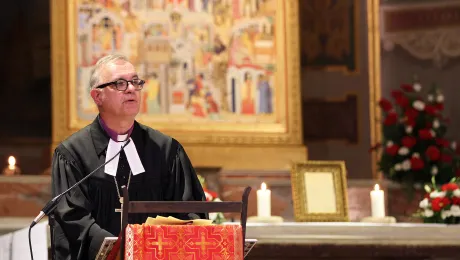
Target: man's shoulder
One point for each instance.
(75, 140)
(161, 139)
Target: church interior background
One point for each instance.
(349, 58)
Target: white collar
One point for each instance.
(131, 155)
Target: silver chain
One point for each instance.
(116, 183)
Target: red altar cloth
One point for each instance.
(185, 242)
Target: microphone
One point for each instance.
(51, 205)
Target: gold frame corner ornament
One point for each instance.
(338, 170)
(284, 134)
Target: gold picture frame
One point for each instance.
(319, 191)
(286, 129)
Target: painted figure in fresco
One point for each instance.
(153, 94)
(265, 95)
(212, 106)
(247, 101)
(205, 5)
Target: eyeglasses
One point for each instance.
(122, 84)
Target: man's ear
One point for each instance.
(96, 94)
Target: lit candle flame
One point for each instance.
(11, 162)
(263, 186)
(376, 187)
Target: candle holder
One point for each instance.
(12, 168)
(380, 220)
(269, 219)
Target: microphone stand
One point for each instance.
(52, 204)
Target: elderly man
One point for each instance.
(153, 166)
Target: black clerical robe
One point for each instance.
(86, 215)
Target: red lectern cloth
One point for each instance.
(185, 242)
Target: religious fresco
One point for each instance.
(202, 60)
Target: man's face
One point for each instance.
(112, 101)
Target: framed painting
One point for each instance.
(217, 72)
(319, 191)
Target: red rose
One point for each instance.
(456, 201)
(408, 141)
(429, 124)
(446, 158)
(410, 122)
(430, 110)
(433, 153)
(439, 106)
(442, 142)
(411, 113)
(385, 104)
(425, 134)
(416, 163)
(449, 186)
(402, 102)
(439, 203)
(396, 94)
(407, 88)
(392, 150)
(391, 119)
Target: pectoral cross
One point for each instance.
(120, 210)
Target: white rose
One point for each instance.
(437, 194)
(456, 193)
(440, 98)
(417, 87)
(453, 145)
(434, 170)
(398, 167)
(445, 214)
(430, 98)
(419, 105)
(217, 200)
(389, 143)
(424, 203)
(403, 151)
(406, 165)
(416, 155)
(436, 124)
(455, 210)
(433, 133)
(428, 213)
(409, 129)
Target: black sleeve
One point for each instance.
(183, 183)
(83, 236)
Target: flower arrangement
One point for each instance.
(216, 217)
(414, 147)
(441, 204)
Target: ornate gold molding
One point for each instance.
(374, 62)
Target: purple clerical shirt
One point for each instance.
(113, 135)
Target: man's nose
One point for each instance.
(130, 87)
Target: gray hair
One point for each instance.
(95, 76)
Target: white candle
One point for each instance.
(377, 202)
(263, 201)
(11, 163)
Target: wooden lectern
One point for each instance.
(133, 207)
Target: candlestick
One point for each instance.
(264, 201)
(377, 202)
